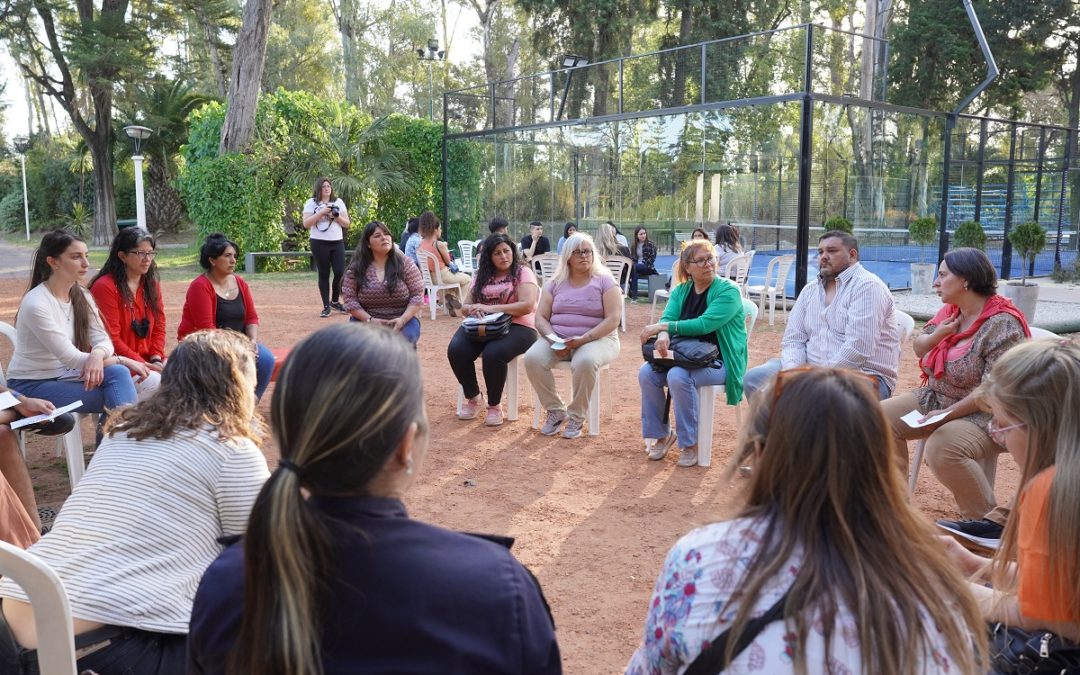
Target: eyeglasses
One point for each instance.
(702, 262)
(998, 433)
(145, 255)
(582, 252)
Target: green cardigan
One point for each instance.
(724, 316)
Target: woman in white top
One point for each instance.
(327, 219)
(825, 544)
(64, 354)
(727, 246)
(175, 473)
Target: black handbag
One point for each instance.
(688, 352)
(488, 331)
(1017, 651)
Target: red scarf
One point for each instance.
(936, 357)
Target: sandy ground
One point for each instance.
(592, 517)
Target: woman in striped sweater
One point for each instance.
(175, 473)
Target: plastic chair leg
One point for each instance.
(913, 474)
(73, 452)
(706, 410)
(594, 408)
(512, 390)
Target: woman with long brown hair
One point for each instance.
(825, 546)
(333, 576)
(175, 473)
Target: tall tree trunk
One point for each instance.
(682, 66)
(346, 20)
(163, 204)
(209, 32)
(248, 62)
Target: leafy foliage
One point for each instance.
(1028, 240)
(839, 223)
(969, 234)
(11, 211)
(923, 231)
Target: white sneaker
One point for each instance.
(573, 428)
(660, 448)
(688, 456)
(554, 422)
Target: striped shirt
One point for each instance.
(856, 330)
(136, 535)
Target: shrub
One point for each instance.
(1028, 240)
(839, 223)
(969, 234)
(11, 211)
(923, 232)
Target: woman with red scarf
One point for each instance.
(956, 349)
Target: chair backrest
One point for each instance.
(1043, 334)
(423, 257)
(545, 265)
(52, 613)
(906, 324)
(8, 331)
(467, 249)
(682, 236)
(750, 309)
(784, 264)
(739, 268)
(620, 269)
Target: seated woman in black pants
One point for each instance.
(503, 283)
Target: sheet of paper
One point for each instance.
(487, 318)
(17, 424)
(8, 401)
(913, 417)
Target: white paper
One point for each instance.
(46, 416)
(913, 417)
(8, 401)
(487, 318)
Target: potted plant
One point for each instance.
(1028, 240)
(923, 232)
(969, 234)
(839, 223)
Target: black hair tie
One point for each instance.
(289, 466)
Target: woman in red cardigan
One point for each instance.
(128, 297)
(220, 299)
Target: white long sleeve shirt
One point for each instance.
(46, 331)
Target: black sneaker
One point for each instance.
(338, 307)
(985, 533)
(325, 312)
(56, 427)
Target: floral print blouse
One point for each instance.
(696, 599)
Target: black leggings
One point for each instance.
(126, 650)
(329, 254)
(462, 352)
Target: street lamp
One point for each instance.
(431, 55)
(570, 62)
(22, 143)
(138, 134)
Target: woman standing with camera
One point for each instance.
(326, 218)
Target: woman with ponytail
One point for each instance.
(333, 576)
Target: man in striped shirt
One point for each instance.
(843, 319)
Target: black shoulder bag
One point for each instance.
(711, 659)
(689, 352)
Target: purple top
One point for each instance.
(575, 311)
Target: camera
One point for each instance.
(334, 211)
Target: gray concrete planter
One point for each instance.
(922, 278)
(1026, 298)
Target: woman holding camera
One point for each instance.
(326, 218)
(128, 296)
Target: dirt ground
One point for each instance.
(592, 517)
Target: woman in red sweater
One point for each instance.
(128, 296)
(220, 299)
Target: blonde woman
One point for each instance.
(1033, 393)
(578, 317)
(175, 473)
(825, 545)
(333, 575)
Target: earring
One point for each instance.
(408, 467)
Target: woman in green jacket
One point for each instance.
(708, 308)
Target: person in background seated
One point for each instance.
(534, 243)
(175, 473)
(568, 230)
(132, 308)
(441, 265)
(825, 554)
(410, 239)
(643, 253)
(607, 246)
(1033, 391)
(697, 233)
(497, 225)
(844, 319)
(333, 575)
(956, 350)
(503, 283)
(221, 299)
(728, 246)
(710, 309)
(578, 317)
(382, 286)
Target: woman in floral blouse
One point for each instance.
(956, 350)
(826, 539)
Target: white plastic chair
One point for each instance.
(620, 266)
(70, 444)
(510, 391)
(594, 400)
(708, 393)
(661, 293)
(468, 262)
(781, 264)
(906, 324)
(432, 286)
(544, 265)
(739, 269)
(52, 612)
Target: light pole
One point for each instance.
(138, 135)
(21, 145)
(432, 55)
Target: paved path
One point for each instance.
(15, 261)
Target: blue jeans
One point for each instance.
(682, 384)
(116, 389)
(264, 370)
(759, 376)
(410, 331)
